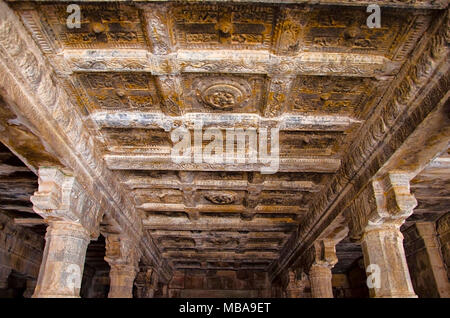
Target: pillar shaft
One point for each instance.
(320, 278)
(121, 281)
(31, 286)
(63, 260)
(383, 251)
(427, 232)
(122, 256)
(4, 274)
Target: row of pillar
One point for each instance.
(375, 218)
(73, 220)
(383, 249)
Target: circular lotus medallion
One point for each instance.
(221, 197)
(223, 94)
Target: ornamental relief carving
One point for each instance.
(335, 95)
(118, 90)
(222, 96)
(215, 26)
(221, 197)
(109, 25)
(223, 93)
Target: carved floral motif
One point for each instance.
(221, 197)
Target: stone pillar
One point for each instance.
(73, 219)
(121, 281)
(320, 278)
(63, 260)
(31, 286)
(427, 232)
(4, 275)
(296, 286)
(383, 250)
(320, 270)
(377, 216)
(123, 258)
(146, 283)
(165, 291)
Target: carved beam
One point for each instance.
(228, 61)
(142, 183)
(286, 122)
(122, 255)
(206, 223)
(159, 162)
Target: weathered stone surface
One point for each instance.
(362, 123)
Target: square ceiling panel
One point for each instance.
(331, 95)
(103, 25)
(223, 26)
(120, 90)
(223, 93)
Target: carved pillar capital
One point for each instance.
(393, 198)
(375, 217)
(318, 261)
(386, 202)
(121, 251)
(61, 198)
(74, 219)
(123, 256)
(296, 285)
(146, 282)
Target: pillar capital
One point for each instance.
(61, 198)
(296, 284)
(317, 262)
(121, 250)
(384, 204)
(122, 255)
(146, 282)
(73, 218)
(393, 198)
(375, 217)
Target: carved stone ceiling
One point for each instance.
(138, 70)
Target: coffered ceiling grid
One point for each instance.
(140, 70)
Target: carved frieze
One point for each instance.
(121, 140)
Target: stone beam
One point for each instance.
(202, 235)
(30, 88)
(29, 221)
(205, 223)
(206, 208)
(205, 255)
(142, 183)
(286, 122)
(160, 162)
(420, 87)
(229, 61)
